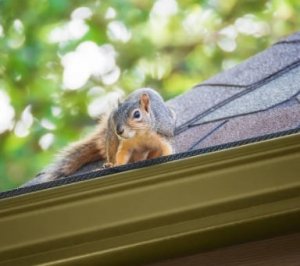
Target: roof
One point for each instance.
(195, 200)
(258, 97)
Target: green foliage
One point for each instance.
(169, 45)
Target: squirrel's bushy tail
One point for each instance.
(69, 160)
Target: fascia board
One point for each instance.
(198, 203)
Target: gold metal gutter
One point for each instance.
(177, 208)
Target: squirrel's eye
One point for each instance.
(136, 114)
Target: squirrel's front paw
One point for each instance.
(108, 165)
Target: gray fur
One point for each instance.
(162, 118)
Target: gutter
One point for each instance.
(143, 215)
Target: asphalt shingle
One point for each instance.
(260, 66)
(265, 100)
(274, 92)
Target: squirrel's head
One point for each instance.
(133, 117)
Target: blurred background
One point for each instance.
(63, 62)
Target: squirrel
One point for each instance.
(140, 128)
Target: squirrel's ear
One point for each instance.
(119, 102)
(145, 102)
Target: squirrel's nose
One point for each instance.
(119, 130)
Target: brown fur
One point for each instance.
(90, 149)
(144, 146)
